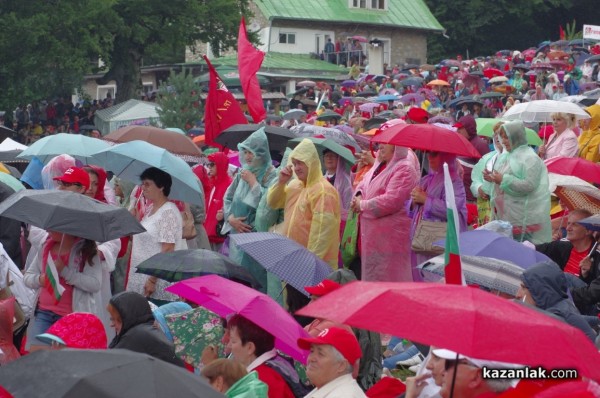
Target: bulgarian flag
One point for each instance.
(52, 282)
(453, 269)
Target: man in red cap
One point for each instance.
(334, 354)
(74, 179)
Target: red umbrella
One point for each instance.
(427, 137)
(492, 72)
(466, 320)
(584, 169)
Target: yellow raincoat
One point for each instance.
(311, 210)
(589, 140)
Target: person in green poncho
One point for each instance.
(231, 378)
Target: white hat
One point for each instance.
(480, 363)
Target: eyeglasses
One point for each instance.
(450, 363)
(68, 184)
(210, 164)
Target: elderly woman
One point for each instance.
(564, 141)
(244, 194)
(429, 200)
(521, 195)
(163, 224)
(380, 200)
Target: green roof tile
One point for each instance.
(400, 13)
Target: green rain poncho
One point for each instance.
(523, 196)
(248, 386)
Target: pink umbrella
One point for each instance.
(361, 39)
(225, 297)
(368, 107)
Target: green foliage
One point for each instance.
(179, 98)
(571, 32)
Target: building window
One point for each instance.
(287, 38)
(369, 4)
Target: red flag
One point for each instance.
(249, 61)
(221, 110)
(561, 32)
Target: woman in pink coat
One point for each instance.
(380, 199)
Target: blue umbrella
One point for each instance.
(130, 159)
(491, 244)
(290, 261)
(591, 223)
(79, 146)
(386, 97)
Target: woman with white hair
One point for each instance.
(563, 142)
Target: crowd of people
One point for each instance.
(364, 219)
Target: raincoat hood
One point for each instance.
(307, 152)
(515, 131)
(469, 124)
(101, 182)
(222, 165)
(594, 112)
(134, 310)
(546, 283)
(248, 386)
(258, 144)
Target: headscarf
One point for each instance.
(133, 309)
(515, 131)
(258, 144)
(101, 173)
(127, 187)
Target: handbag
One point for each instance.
(350, 239)
(19, 316)
(426, 233)
(189, 229)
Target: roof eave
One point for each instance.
(275, 17)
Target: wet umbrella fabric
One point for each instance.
(591, 223)
(99, 374)
(185, 264)
(323, 144)
(70, 213)
(79, 146)
(276, 136)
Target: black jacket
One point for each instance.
(138, 332)
(559, 252)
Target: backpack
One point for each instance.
(286, 370)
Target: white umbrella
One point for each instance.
(11, 145)
(542, 110)
(294, 114)
(498, 79)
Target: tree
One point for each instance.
(144, 25)
(179, 100)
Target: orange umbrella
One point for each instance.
(438, 82)
(554, 55)
(370, 132)
(199, 140)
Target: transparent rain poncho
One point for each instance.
(523, 196)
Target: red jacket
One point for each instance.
(220, 183)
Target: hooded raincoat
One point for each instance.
(311, 209)
(589, 140)
(384, 223)
(137, 330)
(248, 386)
(548, 287)
(214, 196)
(523, 196)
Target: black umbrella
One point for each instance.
(185, 264)
(521, 66)
(476, 73)
(374, 122)
(491, 94)
(277, 136)
(274, 118)
(99, 374)
(70, 213)
(594, 58)
(5, 132)
(412, 81)
(367, 93)
(11, 157)
(13, 172)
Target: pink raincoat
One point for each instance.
(384, 224)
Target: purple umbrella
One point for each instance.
(417, 98)
(345, 101)
(368, 107)
(345, 128)
(349, 83)
(340, 137)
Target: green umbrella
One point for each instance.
(11, 181)
(327, 115)
(323, 143)
(485, 128)
(79, 146)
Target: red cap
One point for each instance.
(458, 125)
(326, 286)
(418, 115)
(75, 175)
(340, 339)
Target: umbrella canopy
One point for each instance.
(578, 167)
(294, 114)
(290, 261)
(438, 82)
(5, 168)
(100, 374)
(484, 243)
(79, 146)
(485, 128)
(498, 79)
(369, 106)
(427, 137)
(491, 94)
(412, 81)
(308, 102)
(13, 156)
(324, 143)
(11, 145)
(70, 213)
(185, 264)
(592, 222)
(575, 193)
(361, 39)
(542, 110)
(407, 98)
(328, 115)
(174, 142)
(386, 97)
(349, 83)
(456, 317)
(342, 138)
(488, 272)
(542, 65)
(276, 136)
(493, 72)
(130, 159)
(306, 83)
(11, 181)
(215, 293)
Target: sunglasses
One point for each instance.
(210, 164)
(450, 363)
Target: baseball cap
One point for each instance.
(324, 287)
(75, 175)
(480, 363)
(340, 339)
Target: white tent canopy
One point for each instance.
(11, 145)
(131, 112)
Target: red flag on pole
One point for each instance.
(221, 109)
(249, 61)
(561, 32)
